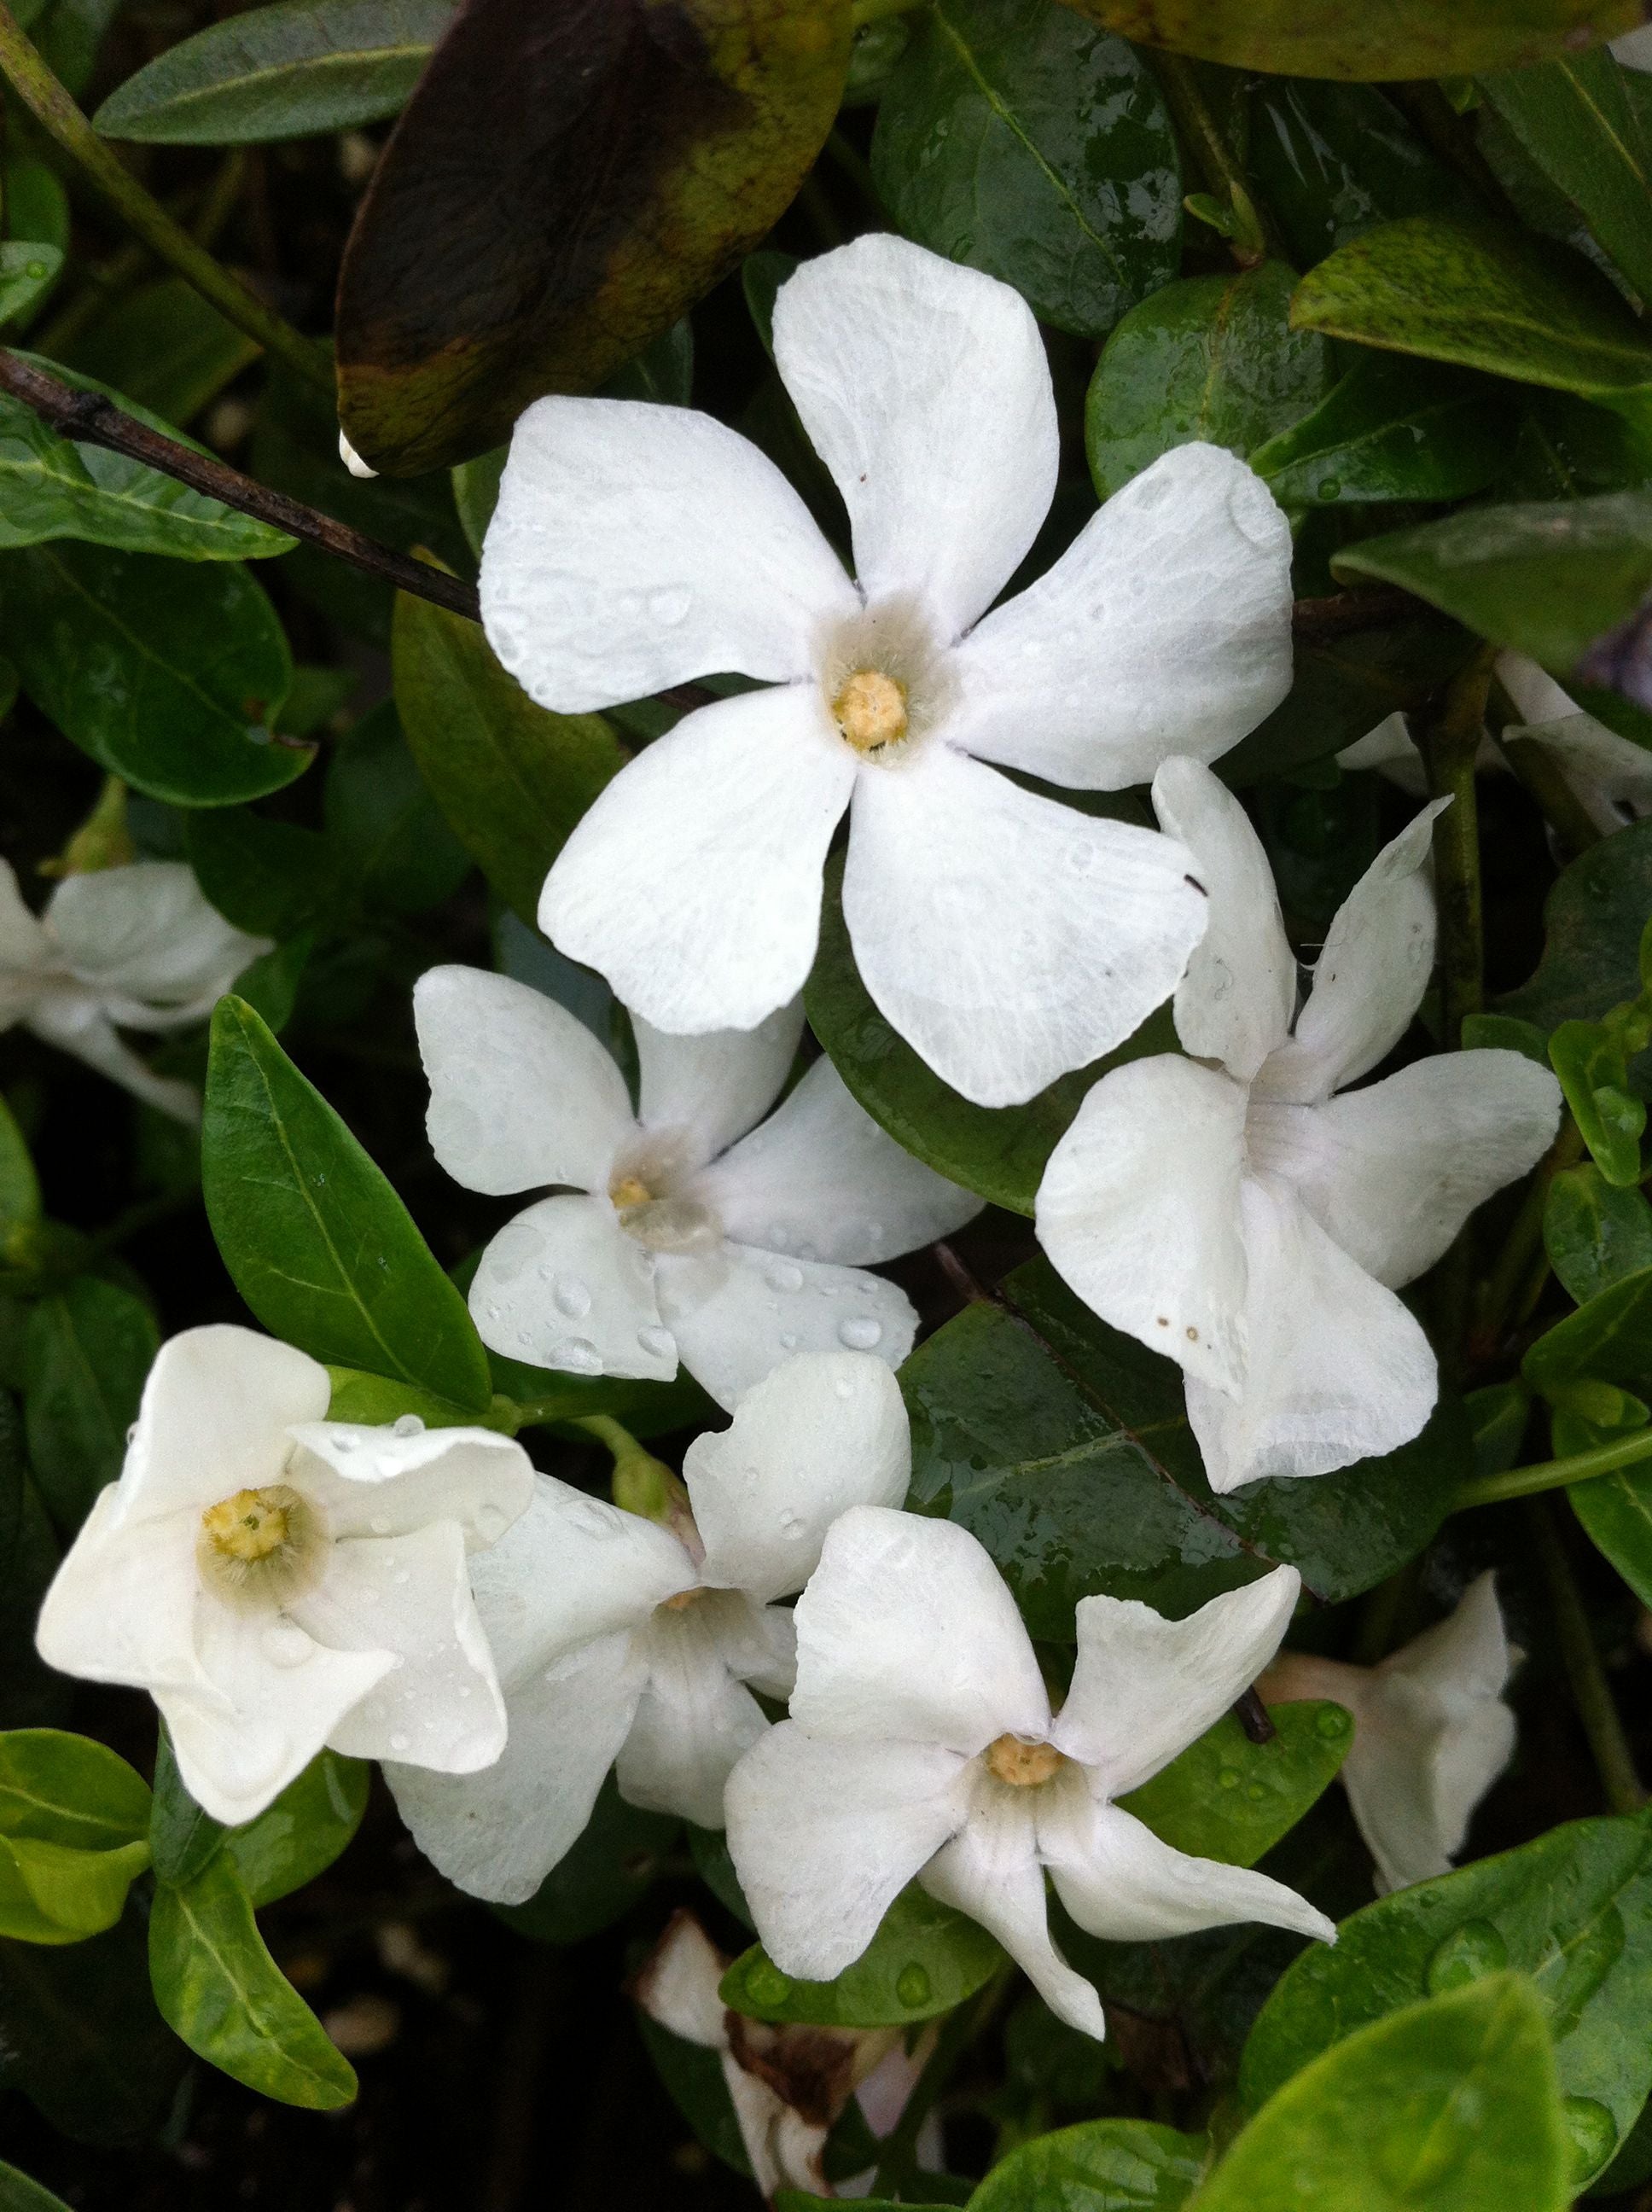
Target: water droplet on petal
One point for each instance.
(670, 607)
(409, 1424)
(573, 1297)
(842, 1388)
(860, 1333)
(791, 1524)
(284, 1643)
(659, 1343)
(380, 1524)
(788, 1340)
(399, 1742)
(784, 1275)
(577, 1355)
(342, 1443)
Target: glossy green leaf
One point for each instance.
(268, 876)
(475, 494)
(70, 1790)
(166, 345)
(317, 1241)
(1065, 1448)
(1587, 124)
(82, 2036)
(662, 373)
(1589, 1061)
(53, 1893)
(88, 1352)
(183, 1835)
(1227, 1798)
(1573, 1909)
(1342, 687)
(1105, 2165)
(280, 72)
(1210, 357)
(617, 1858)
(558, 231)
(19, 2194)
(173, 690)
(376, 1401)
(1391, 430)
(1017, 137)
(512, 779)
(221, 1993)
(1615, 1512)
(924, 1960)
(26, 273)
(303, 1831)
(1450, 2106)
(383, 826)
(1591, 923)
(1594, 1233)
(1608, 1339)
(1331, 161)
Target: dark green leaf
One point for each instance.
(166, 345)
(27, 273)
(693, 2076)
(280, 72)
(1615, 1512)
(183, 1835)
(1344, 687)
(662, 373)
(81, 2037)
(302, 1834)
(267, 877)
(1592, 923)
(68, 1789)
(1015, 137)
(616, 1859)
(762, 275)
(1105, 2165)
(319, 1243)
(1392, 430)
(88, 1350)
(475, 494)
(924, 1960)
(1227, 1798)
(19, 2194)
(1594, 1234)
(1589, 1060)
(382, 823)
(1609, 1339)
(30, 1692)
(20, 1187)
(1331, 161)
(376, 1401)
(1584, 121)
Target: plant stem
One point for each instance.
(1202, 135)
(614, 1439)
(1342, 612)
(1591, 1692)
(1555, 1474)
(49, 102)
(92, 420)
(1449, 747)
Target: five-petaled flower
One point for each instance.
(136, 947)
(676, 1241)
(921, 1743)
(1243, 1211)
(278, 1582)
(619, 1639)
(1006, 936)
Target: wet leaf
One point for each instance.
(1331, 161)
(1587, 124)
(1392, 430)
(302, 1834)
(1105, 2165)
(1227, 1798)
(88, 1352)
(924, 1960)
(1595, 1233)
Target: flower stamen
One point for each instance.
(1024, 1765)
(259, 1545)
(871, 710)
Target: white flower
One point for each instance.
(921, 1743)
(1431, 1733)
(618, 1639)
(1633, 49)
(277, 1582)
(1232, 1210)
(352, 459)
(674, 1241)
(134, 947)
(1006, 937)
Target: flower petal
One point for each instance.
(1145, 1687)
(825, 1836)
(563, 1286)
(146, 935)
(521, 1093)
(376, 1482)
(26, 952)
(72, 1018)
(1391, 750)
(633, 546)
(818, 1435)
(1391, 1172)
(924, 388)
(1235, 1001)
(1338, 1369)
(1370, 977)
(1006, 937)
(821, 1180)
(1139, 1210)
(1609, 776)
(1119, 1881)
(121, 1608)
(736, 1313)
(694, 883)
(1164, 628)
(677, 1984)
(215, 1410)
(713, 1088)
(907, 1629)
(694, 1719)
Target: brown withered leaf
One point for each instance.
(569, 177)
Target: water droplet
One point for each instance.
(670, 607)
(401, 1742)
(1330, 487)
(1593, 2134)
(1468, 1954)
(1229, 1778)
(36, 270)
(765, 1984)
(659, 1343)
(788, 1340)
(842, 1388)
(401, 1578)
(860, 1333)
(784, 1275)
(490, 1523)
(285, 1644)
(1255, 1791)
(409, 1424)
(874, 1229)
(912, 1986)
(791, 1524)
(380, 1524)
(1333, 1723)
(573, 1297)
(257, 734)
(342, 1441)
(578, 1355)
(131, 1432)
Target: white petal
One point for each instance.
(71, 1017)
(1006, 937)
(991, 1870)
(1164, 628)
(1391, 1172)
(694, 883)
(121, 1608)
(1372, 975)
(713, 1088)
(736, 1313)
(1145, 1687)
(825, 1836)
(677, 1984)
(215, 1410)
(1118, 1880)
(1634, 49)
(907, 1629)
(1536, 695)
(1338, 1369)
(694, 1718)
(410, 1596)
(499, 1833)
(1391, 750)
(521, 1093)
(1235, 1001)
(146, 934)
(820, 1179)
(1139, 1210)
(1609, 776)
(925, 390)
(27, 952)
(633, 546)
(820, 1434)
(563, 1286)
(372, 1482)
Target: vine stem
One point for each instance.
(1591, 1691)
(1555, 1474)
(50, 104)
(1200, 131)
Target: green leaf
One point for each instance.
(1105, 2165)
(475, 494)
(1573, 1909)
(1391, 430)
(30, 1692)
(174, 691)
(53, 1893)
(303, 1831)
(1344, 687)
(20, 1187)
(924, 1960)
(26, 273)
(1016, 137)
(1448, 2106)
(1591, 923)
(183, 1835)
(1615, 1513)
(693, 2078)
(558, 233)
(512, 779)
(1594, 1234)
(383, 825)
(19, 2194)
(662, 373)
(376, 1401)
(1227, 1798)
(284, 71)
(1588, 1059)
(69, 1790)
(1331, 161)
(82, 2037)
(222, 1994)
(1210, 357)
(268, 876)
(1465, 291)
(166, 345)
(1609, 1339)
(1585, 122)
(317, 1242)
(87, 1353)
(1065, 1448)
(617, 1857)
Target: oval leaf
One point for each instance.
(302, 1834)
(1105, 2165)
(1227, 1798)
(1587, 123)
(924, 1960)
(86, 1355)
(1391, 430)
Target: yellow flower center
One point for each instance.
(1024, 1765)
(683, 1598)
(251, 1524)
(871, 710)
(260, 1547)
(629, 1190)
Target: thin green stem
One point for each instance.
(1218, 164)
(1591, 1692)
(1555, 1474)
(1450, 746)
(614, 1439)
(52, 106)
